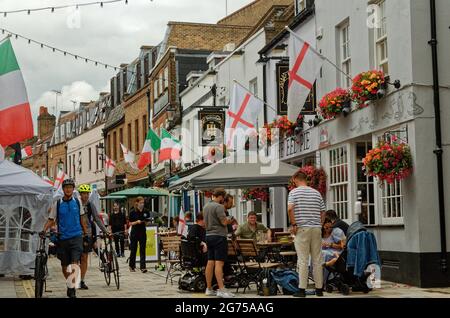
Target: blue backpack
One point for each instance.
(287, 279)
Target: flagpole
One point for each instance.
(240, 84)
(318, 53)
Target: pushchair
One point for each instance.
(347, 273)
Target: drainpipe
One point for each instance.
(438, 151)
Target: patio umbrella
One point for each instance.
(139, 191)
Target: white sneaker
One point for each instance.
(210, 292)
(222, 293)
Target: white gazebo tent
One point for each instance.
(24, 203)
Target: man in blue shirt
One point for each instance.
(66, 213)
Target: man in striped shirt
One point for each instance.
(306, 211)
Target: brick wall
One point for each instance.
(252, 13)
(46, 123)
(136, 110)
(201, 36)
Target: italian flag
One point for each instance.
(170, 147)
(152, 144)
(15, 116)
(26, 152)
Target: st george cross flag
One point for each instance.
(170, 147)
(151, 145)
(15, 115)
(129, 156)
(26, 152)
(242, 115)
(304, 67)
(110, 167)
(49, 181)
(182, 227)
(59, 179)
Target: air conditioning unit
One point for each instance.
(229, 47)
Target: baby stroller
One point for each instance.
(349, 271)
(193, 261)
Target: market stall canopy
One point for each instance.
(15, 179)
(113, 197)
(139, 191)
(239, 172)
(24, 203)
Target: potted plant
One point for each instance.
(389, 161)
(284, 126)
(334, 103)
(370, 85)
(316, 178)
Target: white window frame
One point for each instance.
(253, 86)
(300, 5)
(367, 183)
(345, 53)
(342, 186)
(380, 37)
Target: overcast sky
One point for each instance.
(113, 35)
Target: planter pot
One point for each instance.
(347, 108)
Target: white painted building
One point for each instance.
(405, 217)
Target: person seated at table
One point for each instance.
(249, 229)
(197, 232)
(333, 240)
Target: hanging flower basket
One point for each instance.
(334, 103)
(284, 126)
(159, 183)
(261, 194)
(389, 161)
(207, 194)
(316, 179)
(370, 85)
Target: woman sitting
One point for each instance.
(333, 241)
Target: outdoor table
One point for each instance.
(271, 250)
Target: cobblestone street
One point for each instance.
(152, 284)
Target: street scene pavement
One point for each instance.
(152, 285)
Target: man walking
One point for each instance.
(66, 213)
(89, 219)
(216, 240)
(306, 211)
(138, 219)
(118, 224)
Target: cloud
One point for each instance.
(113, 35)
(79, 91)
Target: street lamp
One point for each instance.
(60, 164)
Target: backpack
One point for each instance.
(287, 279)
(265, 281)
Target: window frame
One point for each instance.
(381, 39)
(336, 198)
(345, 59)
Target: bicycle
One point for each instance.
(40, 264)
(108, 260)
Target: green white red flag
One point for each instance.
(170, 147)
(152, 144)
(16, 123)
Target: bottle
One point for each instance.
(266, 291)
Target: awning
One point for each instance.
(139, 191)
(113, 197)
(239, 172)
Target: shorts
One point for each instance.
(88, 243)
(217, 248)
(69, 251)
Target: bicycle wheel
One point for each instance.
(107, 269)
(115, 269)
(39, 276)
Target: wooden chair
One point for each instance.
(171, 247)
(254, 264)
